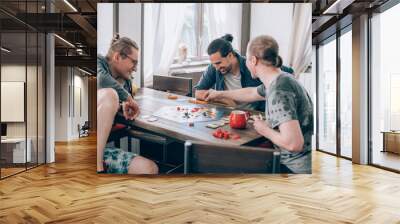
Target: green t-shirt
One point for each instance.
(105, 80)
(286, 100)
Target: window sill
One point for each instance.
(189, 66)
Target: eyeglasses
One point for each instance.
(134, 62)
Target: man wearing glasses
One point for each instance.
(114, 74)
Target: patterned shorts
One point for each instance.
(117, 160)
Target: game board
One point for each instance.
(188, 113)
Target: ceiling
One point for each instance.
(76, 23)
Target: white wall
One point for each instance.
(105, 27)
(275, 20)
(61, 103)
(68, 81)
(130, 25)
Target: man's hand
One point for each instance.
(212, 95)
(201, 94)
(261, 127)
(130, 108)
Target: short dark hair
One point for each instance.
(222, 45)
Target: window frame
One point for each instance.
(334, 37)
(199, 21)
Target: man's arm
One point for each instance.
(244, 95)
(288, 137)
(207, 80)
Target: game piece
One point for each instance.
(235, 136)
(152, 119)
(222, 134)
(172, 97)
(197, 101)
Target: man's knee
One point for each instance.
(141, 165)
(108, 97)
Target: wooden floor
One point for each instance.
(386, 159)
(70, 191)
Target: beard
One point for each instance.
(227, 69)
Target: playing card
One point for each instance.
(213, 126)
(225, 119)
(222, 123)
(152, 119)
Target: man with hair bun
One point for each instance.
(114, 93)
(289, 109)
(227, 71)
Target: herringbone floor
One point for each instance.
(70, 191)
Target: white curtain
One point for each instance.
(163, 22)
(224, 18)
(300, 49)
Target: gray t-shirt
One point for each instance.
(286, 99)
(233, 82)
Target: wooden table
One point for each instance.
(150, 101)
(391, 141)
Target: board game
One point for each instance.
(188, 113)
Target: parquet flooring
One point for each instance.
(70, 191)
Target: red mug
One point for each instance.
(238, 119)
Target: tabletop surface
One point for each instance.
(150, 101)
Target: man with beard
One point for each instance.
(228, 71)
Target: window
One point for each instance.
(195, 25)
(385, 85)
(327, 97)
(170, 28)
(346, 94)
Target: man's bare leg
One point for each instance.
(141, 165)
(107, 108)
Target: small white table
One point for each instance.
(17, 146)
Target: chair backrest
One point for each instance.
(177, 85)
(218, 158)
(86, 125)
(195, 76)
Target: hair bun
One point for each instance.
(228, 37)
(115, 38)
(270, 55)
(278, 62)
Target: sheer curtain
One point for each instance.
(163, 24)
(300, 49)
(223, 18)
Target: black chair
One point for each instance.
(177, 85)
(83, 130)
(126, 130)
(218, 158)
